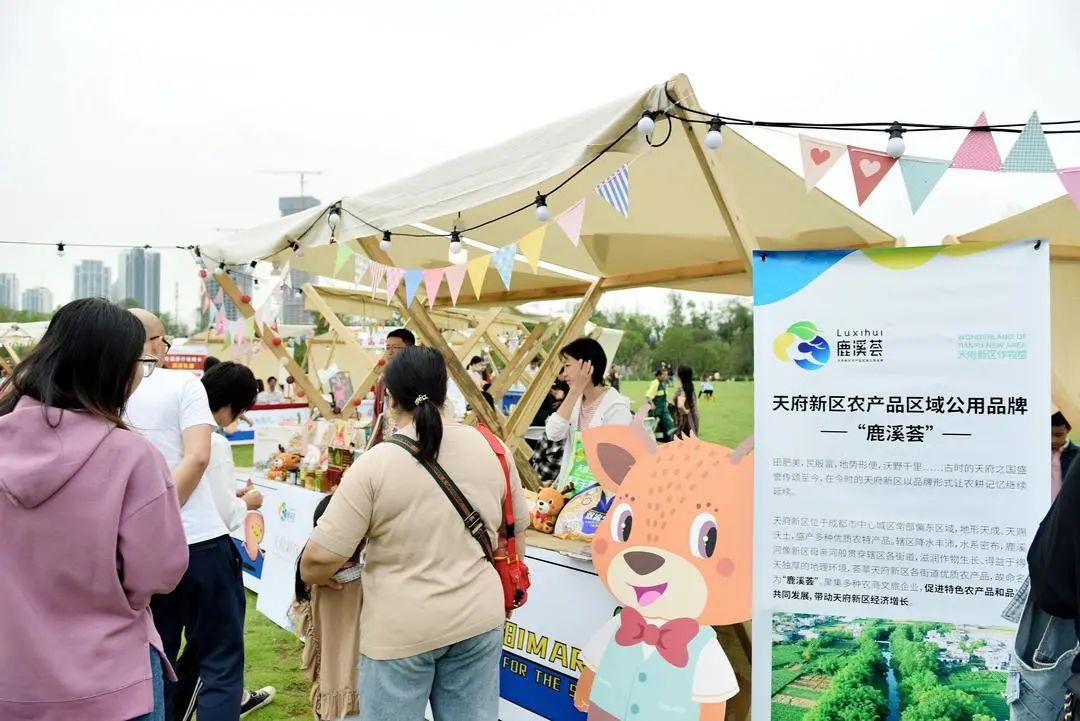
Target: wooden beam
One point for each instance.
(497, 346)
(515, 368)
(483, 323)
(280, 351)
(718, 180)
(430, 332)
(13, 353)
(533, 398)
(1064, 252)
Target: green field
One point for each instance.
(985, 686)
(273, 655)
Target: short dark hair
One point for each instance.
(404, 334)
(271, 378)
(474, 360)
(1059, 420)
(209, 363)
(587, 349)
(230, 385)
(420, 374)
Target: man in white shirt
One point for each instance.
(272, 394)
(173, 412)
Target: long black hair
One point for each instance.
(686, 377)
(85, 361)
(416, 378)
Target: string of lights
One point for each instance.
(646, 126)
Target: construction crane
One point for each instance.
(301, 173)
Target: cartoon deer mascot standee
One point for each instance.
(676, 551)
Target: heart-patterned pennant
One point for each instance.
(868, 167)
(818, 156)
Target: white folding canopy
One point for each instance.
(695, 214)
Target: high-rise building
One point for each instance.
(293, 311)
(39, 300)
(139, 278)
(92, 280)
(244, 282)
(9, 291)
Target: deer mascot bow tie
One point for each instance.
(671, 641)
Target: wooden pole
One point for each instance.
(279, 351)
(537, 392)
(515, 367)
(476, 335)
(430, 332)
(371, 368)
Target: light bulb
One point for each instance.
(384, 244)
(543, 212)
(333, 217)
(455, 242)
(646, 125)
(59, 250)
(714, 138)
(896, 146)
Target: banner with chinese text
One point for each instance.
(902, 399)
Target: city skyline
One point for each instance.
(138, 279)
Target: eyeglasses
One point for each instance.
(166, 341)
(148, 366)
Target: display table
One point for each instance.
(287, 514)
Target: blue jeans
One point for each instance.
(158, 714)
(461, 681)
(1044, 650)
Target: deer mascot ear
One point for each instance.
(613, 450)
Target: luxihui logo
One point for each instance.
(285, 513)
(803, 345)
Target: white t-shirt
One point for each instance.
(164, 406)
(269, 398)
(220, 478)
(714, 679)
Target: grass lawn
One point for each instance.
(273, 655)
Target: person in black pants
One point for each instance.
(208, 605)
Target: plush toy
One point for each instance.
(548, 504)
(281, 463)
(675, 549)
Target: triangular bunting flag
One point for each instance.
(378, 270)
(393, 280)
(286, 274)
(571, 220)
(531, 245)
(478, 268)
(249, 328)
(226, 342)
(868, 167)
(211, 315)
(412, 283)
(1030, 153)
(1070, 178)
(344, 252)
(616, 191)
(220, 297)
(503, 260)
(817, 157)
(455, 276)
(237, 330)
(205, 300)
(219, 323)
(978, 151)
(360, 268)
(920, 177)
(432, 282)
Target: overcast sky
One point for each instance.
(133, 122)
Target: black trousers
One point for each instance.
(207, 607)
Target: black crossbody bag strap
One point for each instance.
(473, 523)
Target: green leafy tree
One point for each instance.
(945, 704)
(129, 303)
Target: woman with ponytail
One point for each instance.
(433, 610)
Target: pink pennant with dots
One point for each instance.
(978, 151)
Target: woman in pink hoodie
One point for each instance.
(90, 525)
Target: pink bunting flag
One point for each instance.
(978, 151)
(219, 325)
(455, 278)
(571, 221)
(393, 280)
(868, 167)
(818, 156)
(1070, 178)
(205, 300)
(378, 271)
(220, 297)
(432, 283)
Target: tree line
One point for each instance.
(710, 338)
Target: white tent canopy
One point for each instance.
(695, 214)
